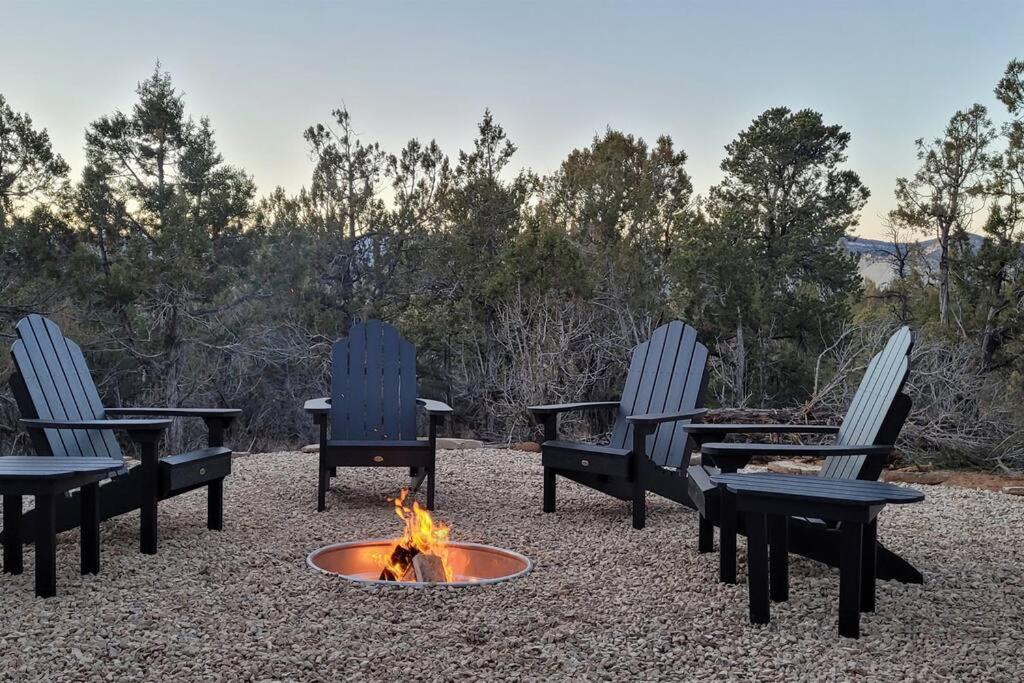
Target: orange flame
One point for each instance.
(421, 534)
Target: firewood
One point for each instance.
(429, 568)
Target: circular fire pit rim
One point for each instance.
(311, 557)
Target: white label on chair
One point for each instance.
(585, 463)
(202, 471)
(378, 458)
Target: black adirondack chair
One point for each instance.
(649, 449)
(861, 448)
(371, 413)
(62, 411)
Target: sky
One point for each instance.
(554, 73)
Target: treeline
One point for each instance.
(187, 288)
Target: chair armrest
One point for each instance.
(658, 418)
(318, 405)
(205, 413)
(434, 408)
(554, 409)
(715, 430)
(140, 431)
(790, 450)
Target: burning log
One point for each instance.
(399, 564)
(429, 568)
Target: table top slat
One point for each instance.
(811, 488)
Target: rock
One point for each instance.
(793, 467)
(904, 477)
(528, 446)
(311, 448)
(239, 454)
(1014, 490)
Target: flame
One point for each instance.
(421, 535)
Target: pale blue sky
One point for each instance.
(554, 73)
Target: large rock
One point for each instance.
(458, 444)
(311, 448)
(1014, 490)
(909, 477)
(794, 467)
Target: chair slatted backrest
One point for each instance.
(53, 382)
(666, 375)
(373, 385)
(872, 410)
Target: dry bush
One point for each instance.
(961, 415)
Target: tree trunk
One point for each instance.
(741, 363)
(944, 277)
(173, 376)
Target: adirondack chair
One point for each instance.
(862, 445)
(649, 449)
(371, 412)
(62, 411)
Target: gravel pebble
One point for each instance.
(604, 602)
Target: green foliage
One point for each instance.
(763, 269)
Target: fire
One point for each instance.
(422, 535)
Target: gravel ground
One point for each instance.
(604, 602)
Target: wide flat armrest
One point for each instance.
(318, 405)
(125, 425)
(554, 409)
(433, 407)
(658, 418)
(791, 450)
(222, 413)
(712, 429)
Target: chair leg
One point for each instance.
(215, 505)
(778, 559)
(334, 472)
(46, 546)
(13, 563)
(430, 486)
(639, 505)
(321, 489)
(869, 566)
(705, 535)
(549, 490)
(727, 539)
(90, 528)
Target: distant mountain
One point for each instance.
(874, 255)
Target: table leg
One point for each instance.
(869, 566)
(12, 535)
(757, 567)
(90, 528)
(778, 558)
(46, 545)
(851, 547)
(150, 499)
(727, 538)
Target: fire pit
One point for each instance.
(422, 556)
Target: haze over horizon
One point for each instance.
(553, 74)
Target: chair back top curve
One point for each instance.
(878, 408)
(373, 385)
(53, 382)
(666, 375)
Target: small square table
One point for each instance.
(767, 501)
(45, 478)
